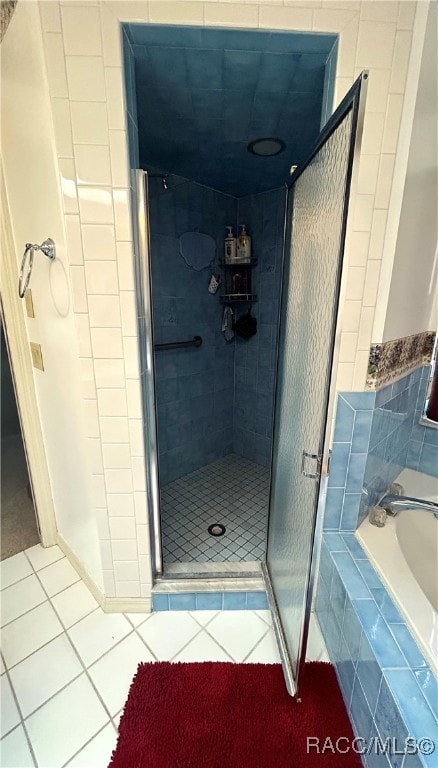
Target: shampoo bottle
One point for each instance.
(243, 246)
(230, 247)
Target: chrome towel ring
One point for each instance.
(47, 247)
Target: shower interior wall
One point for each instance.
(216, 399)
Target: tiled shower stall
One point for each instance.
(216, 401)
(88, 103)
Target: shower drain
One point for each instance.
(216, 529)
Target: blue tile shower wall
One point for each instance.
(195, 386)
(377, 435)
(255, 358)
(388, 688)
(217, 399)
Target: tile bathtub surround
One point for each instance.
(388, 688)
(377, 434)
(393, 359)
(101, 110)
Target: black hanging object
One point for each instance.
(246, 326)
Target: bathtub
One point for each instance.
(405, 554)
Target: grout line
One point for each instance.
(89, 742)
(23, 552)
(81, 661)
(17, 704)
(256, 645)
(222, 647)
(49, 600)
(193, 615)
(199, 632)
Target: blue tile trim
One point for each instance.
(257, 601)
(210, 601)
(234, 601)
(335, 542)
(418, 715)
(350, 575)
(387, 686)
(429, 685)
(182, 602)
(160, 602)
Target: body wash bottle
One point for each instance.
(243, 246)
(230, 247)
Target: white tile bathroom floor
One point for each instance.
(66, 666)
(232, 491)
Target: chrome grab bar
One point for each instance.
(195, 342)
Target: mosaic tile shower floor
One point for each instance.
(232, 491)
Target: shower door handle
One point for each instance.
(314, 457)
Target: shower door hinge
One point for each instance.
(315, 457)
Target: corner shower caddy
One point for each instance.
(230, 297)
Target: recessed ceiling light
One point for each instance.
(266, 147)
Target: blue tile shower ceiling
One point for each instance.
(377, 435)
(203, 94)
(388, 688)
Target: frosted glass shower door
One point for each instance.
(314, 243)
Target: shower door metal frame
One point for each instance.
(143, 283)
(354, 101)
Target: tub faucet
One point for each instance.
(393, 504)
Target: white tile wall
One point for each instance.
(81, 31)
(101, 277)
(98, 242)
(106, 342)
(104, 310)
(89, 122)
(109, 373)
(84, 65)
(121, 504)
(85, 76)
(92, 164)
(95, 205)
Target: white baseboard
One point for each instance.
(127, 605)
(108, 604)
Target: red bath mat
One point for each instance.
(223, 715)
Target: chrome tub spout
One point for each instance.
(393, 504)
